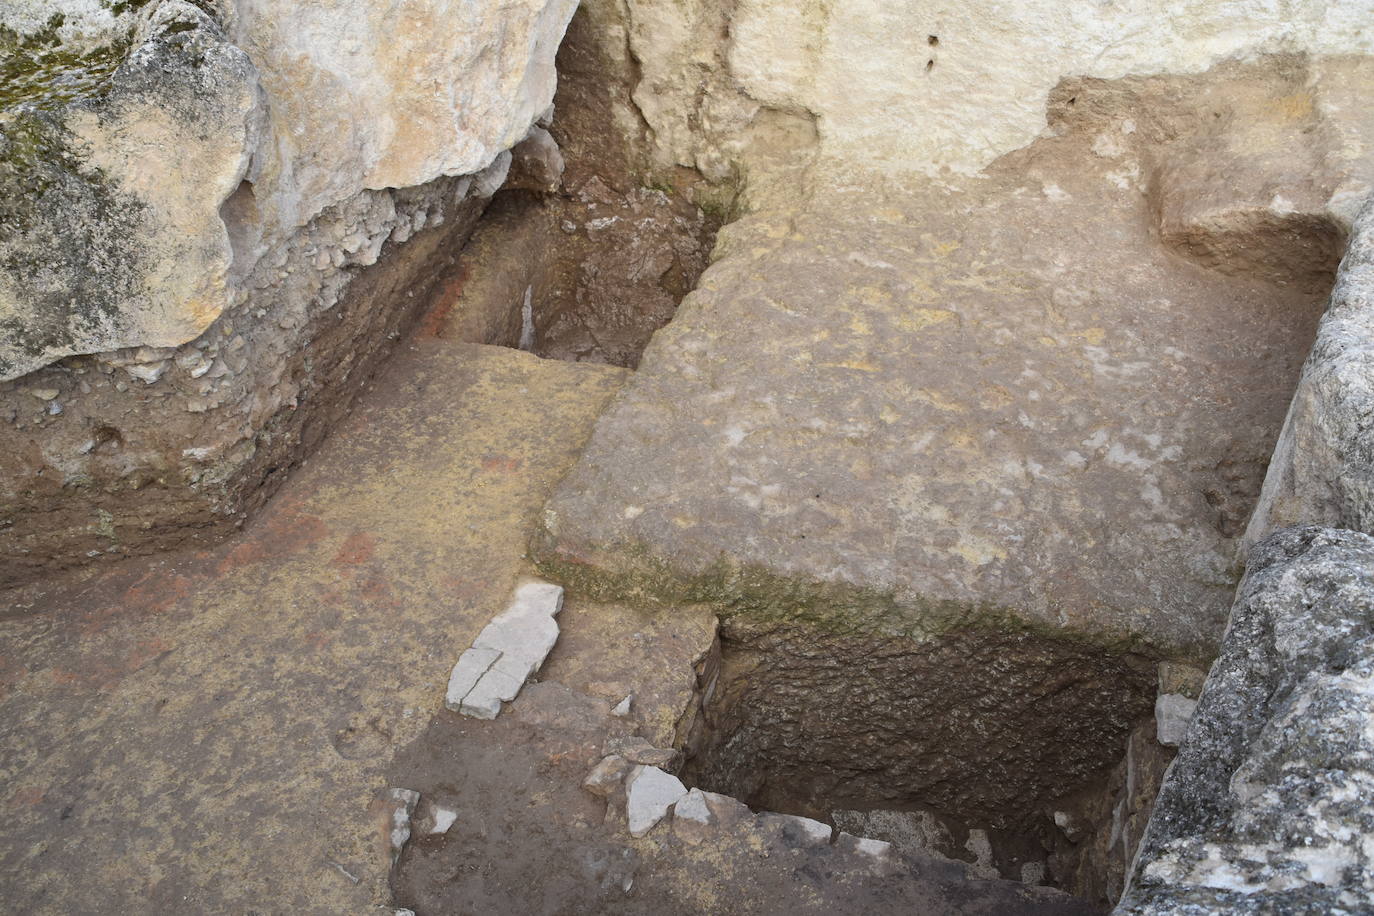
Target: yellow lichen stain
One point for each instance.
(873, 295)
(858, 365)
(859, 326)
(888, 415)
(1047, 341)
(922, 318)
(995, 397)
(962, 440)
(1295, 107)
(939, 401)
(941, 249)
(979, 551)
(684, 521)
(1093, 337)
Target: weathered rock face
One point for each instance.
(307, 103)
(200, 200)
(1323, 468)
(926, 87)
(914, 409)
(1266, 809)
(110, 234)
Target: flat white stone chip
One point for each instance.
(650, 793)
(508, 651)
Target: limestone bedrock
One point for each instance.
(1266, 809)
(1322, 472)
(129, 125)
(929, 86)
(911, 407)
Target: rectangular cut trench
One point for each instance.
(1007, 751)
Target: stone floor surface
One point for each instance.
(204, 733)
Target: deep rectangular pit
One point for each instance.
(1002, 750)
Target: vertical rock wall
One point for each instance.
(216, 218)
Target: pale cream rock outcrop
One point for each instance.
(113, 236)
(312, 104)
(932, 85)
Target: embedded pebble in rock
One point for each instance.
(650, 792)
(1172, 712)
(607, 775)
(638, 750)
(506, 653)
(622, 709)
(795, 831)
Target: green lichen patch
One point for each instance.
(68, 238)
(36, 70)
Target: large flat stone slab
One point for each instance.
(999, 403)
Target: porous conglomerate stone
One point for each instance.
(1266, 808)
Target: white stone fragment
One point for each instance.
(147, 372)
(797, 831)
(506, 653)
(443, 820)
(650, 792)
(1173, 712)
(622, 709)
(472, 664)
(693, 807)
(402, 803)
(878, 849)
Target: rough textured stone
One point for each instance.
(921, 87)
(397, 808)
(169, 188)
(607, 776)
(1266, 809)
(273, 678)
(794, 831)
(638, 750)
(919, 408)
(536, 163)
(323, 112)
(1172, 713)
(649, 793)
(110, 231)
(1322, 472)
